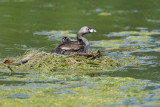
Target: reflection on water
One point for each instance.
(32, 24)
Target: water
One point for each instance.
(32, 24)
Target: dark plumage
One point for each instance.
(80, 46)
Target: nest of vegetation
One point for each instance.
(45, 62)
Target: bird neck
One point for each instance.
(81, 38)
(84, 41)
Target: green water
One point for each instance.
(40, 24)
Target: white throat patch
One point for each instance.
(92, 30)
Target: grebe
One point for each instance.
(80, 46)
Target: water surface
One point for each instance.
(37, 24)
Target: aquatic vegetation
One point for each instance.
(104, 14)
(133, 33)
(153, 20)
(139, 38)
(79, 81)
(69, 81)
(113, 79)
(101, 12)
(56, 35)
(68, 65)
(95, 91)
(110, 44)
(157, 49)
(41, 61)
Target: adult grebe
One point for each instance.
(80, 46)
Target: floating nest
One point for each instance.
(42, 61)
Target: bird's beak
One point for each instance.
(92, 30)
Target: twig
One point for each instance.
(11, 71)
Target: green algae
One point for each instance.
(110, 44)
(89, 92)
(136, 33)
(139, 38)
(135, 38)
(77, 88)
(60, 33)
(157, 49)
(66, 81)
(104, 14)
(73, 81)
